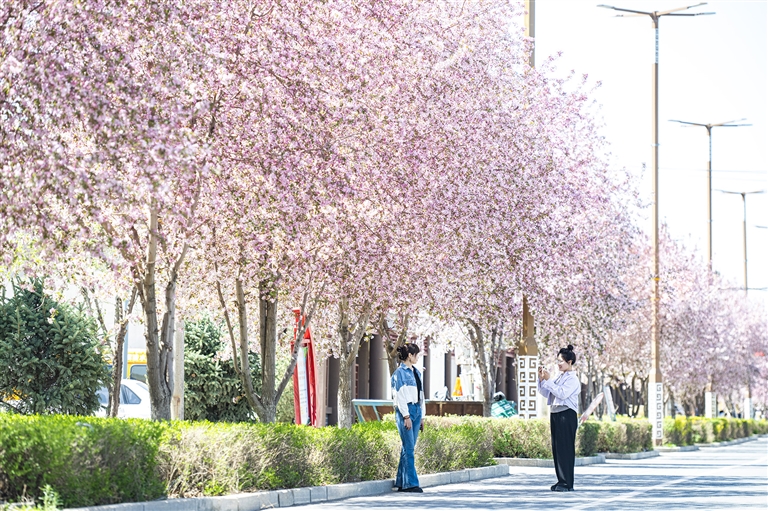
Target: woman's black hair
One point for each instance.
(407, 349)
(568, 354)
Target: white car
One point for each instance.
(134, 401)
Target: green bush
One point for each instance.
(588, 438)
(49, 354)
(623, 436)
(758, 427)
(365, 452)
(516, 438)
(678, 431)
(86, 460)
(217, 458)
(453, 443)
(692, 430)
(531, 438)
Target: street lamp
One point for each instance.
(655, 387)
(744, 202)
(727, 124)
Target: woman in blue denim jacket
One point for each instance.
(410, 409)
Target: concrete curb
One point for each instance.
(678, 448)
(729, 442)
(298, 496)
(548, 463)
(631, 455)
(696, 447)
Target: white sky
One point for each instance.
(711, 69)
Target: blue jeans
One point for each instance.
(406, 469)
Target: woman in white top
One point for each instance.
(410, 409)
(562, 396)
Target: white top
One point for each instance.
(404, 389)
(563, 391)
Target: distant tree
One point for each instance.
(212, 388)
(49, 352)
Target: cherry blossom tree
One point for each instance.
(97, 108)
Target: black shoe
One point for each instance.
(557, 487)
(413, 489)
(553, 486)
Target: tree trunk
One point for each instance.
(351, 332)
(246, 378)
(264, 405)
(160, 402)
(268, 342)
(671, 399)
(590, 395)
(344, 396)
(117, 366)
(159, 340)
(699, 403)
(117, 362)
(621, 398)
(392, 340)
(599, 387)
(486, 358)
(644, 395)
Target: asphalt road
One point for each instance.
(733, 478)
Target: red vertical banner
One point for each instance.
(304, 385)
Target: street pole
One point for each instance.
(655, 403)
(744, 229)
(727, 124)
(530, 406)
(530, 28)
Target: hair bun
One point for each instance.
(570, 347)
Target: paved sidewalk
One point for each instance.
(733, 477)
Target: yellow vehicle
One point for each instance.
(137, 365)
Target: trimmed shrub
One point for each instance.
(588, 438)
(678, 431)
(758, 427)
(453, 443)
(623, 436)
(365, 452)
(215, 459)
(531, 438)
(516, 438)
(86, 460)
(690, 430)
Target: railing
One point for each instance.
(374, 409)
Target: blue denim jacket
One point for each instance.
(404, 389)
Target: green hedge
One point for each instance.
(91, 461)
(221, 458)
(86, 460)
(693, 430)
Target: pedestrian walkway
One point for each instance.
(733, 477)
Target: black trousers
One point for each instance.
(562, 426)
